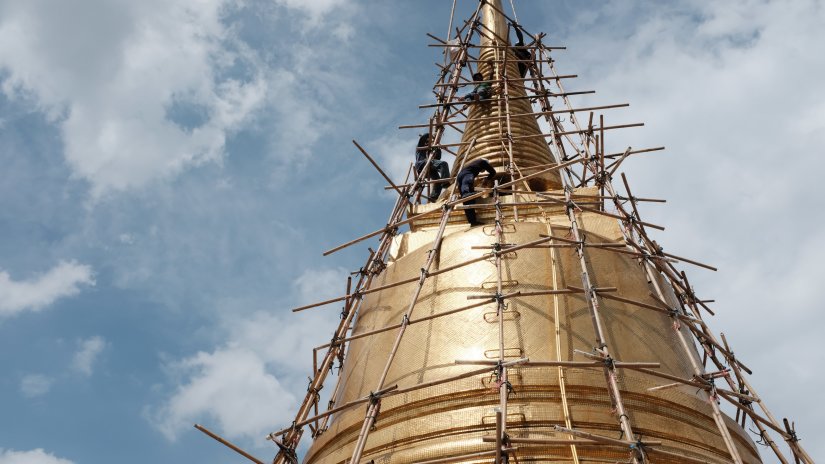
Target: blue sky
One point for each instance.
(172, 171)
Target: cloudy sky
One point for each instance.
(172, 171)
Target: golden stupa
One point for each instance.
(552, 348)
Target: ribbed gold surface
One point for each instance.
(528, 152)
(451, 419)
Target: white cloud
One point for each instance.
(230, 386)
(85, 357)
(34, 385)
(249, 384)
(321, 284)
(315, 8)
(36, 293)
(36, 456)
(141, 90)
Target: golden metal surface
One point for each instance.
(488, 133)
(452, 419)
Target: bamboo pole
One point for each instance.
(228, 444)
(538, 136)
(527, 97)
(378, 168)
(610, 375)
(412, 322)
(520, 115)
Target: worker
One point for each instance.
(522, 54)
(466, 178)
(438, 169)
(482, 90)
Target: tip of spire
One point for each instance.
(495, 23)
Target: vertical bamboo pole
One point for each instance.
(554, 263)
(500, 307)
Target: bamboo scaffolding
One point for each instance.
(656, 264)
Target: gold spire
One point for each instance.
(490, 131)
(494, 23)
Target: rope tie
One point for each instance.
(288, 450)
(314, 390)
(610, 363)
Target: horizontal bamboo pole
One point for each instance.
(520, 47)
(411, 322)
(571, 364)
(594, 437)
(516, 203)
(509, 79)
(510, 61)
(561, 441)
(537, 136)
(445, 180)
(519, 115)
(547, 441)
(634, 152)
(228, 444)
(487, 100)
(693, 383)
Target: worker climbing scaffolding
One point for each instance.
(438, 169)
(466, 184)
(523, 55)
(482, 91)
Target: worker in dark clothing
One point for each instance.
(522, 54)
(482, 90)
(438, 169)
(466, 178)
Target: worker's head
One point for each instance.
(424, 140)
(478, 77)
